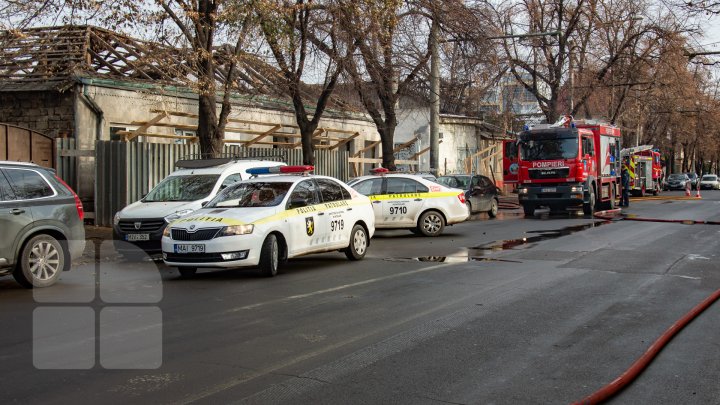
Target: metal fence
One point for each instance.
(126, 171)
(65, 165)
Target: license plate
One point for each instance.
(548, 190)
(134, 237)
(194, 248)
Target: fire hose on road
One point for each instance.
(641, 363)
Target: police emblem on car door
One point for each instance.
(310, 226)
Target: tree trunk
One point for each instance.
(208, 133)
(307, 130)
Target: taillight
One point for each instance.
(78, 203)
(461, 197)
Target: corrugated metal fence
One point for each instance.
(126, 171)
(66, 166)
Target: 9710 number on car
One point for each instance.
(398, 210)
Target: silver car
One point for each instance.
(41, 219)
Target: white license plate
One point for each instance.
(134, 237)
(194, 248)
(548, 190)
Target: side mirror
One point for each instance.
(297, 203)
(204, 203)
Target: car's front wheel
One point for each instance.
(41, 261)
(270, 256)
(358, 243)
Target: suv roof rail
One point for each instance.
(204, 160)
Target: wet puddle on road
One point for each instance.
(476, 254)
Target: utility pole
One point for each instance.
(434, 98)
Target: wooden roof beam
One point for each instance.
(346, 140)
(263, 135)
(367, 148)
(405, 145)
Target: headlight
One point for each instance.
(523, 190)
(116, 218)
(576, 189)
(177, 215)
(234, 230)
(166, 231)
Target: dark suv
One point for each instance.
(41, 219)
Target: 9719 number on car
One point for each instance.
(337, 225)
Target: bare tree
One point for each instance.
(392, 39)
(199, 22)
(304, 36)
(584, 39)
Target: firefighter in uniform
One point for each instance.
(625, 182)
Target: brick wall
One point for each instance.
(48, 112)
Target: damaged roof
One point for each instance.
(54, 58)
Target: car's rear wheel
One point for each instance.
(270, 256)
(431, 223)
(468, 204)
(358, 243)
(41, 261)
(493, 208)
(187, 272)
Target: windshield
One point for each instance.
(709, 178)
(676, 177)
(183, 188)
(255, 194)
(549, 149)
(454, 181)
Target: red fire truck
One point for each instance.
(644, 168)
(567, 164)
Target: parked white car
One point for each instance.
(406, 201)
(140, 225)
(710, 181)
(268, 219)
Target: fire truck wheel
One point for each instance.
(589, 207)
(529, 210)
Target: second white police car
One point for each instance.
(406, 201)
(265, 220)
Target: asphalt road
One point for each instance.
(503, 311)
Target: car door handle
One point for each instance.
(17, 211)
(321, 213)
(376, 202)
(349, 209)
(418, 199)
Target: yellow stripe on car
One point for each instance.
(412, 195)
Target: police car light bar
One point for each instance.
(280, 169)
(379, 170)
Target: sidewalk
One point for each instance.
(102, 237)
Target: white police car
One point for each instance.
(406, 201)
(266, 220)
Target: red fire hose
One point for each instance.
(640, 364)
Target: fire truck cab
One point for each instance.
(569, 164)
